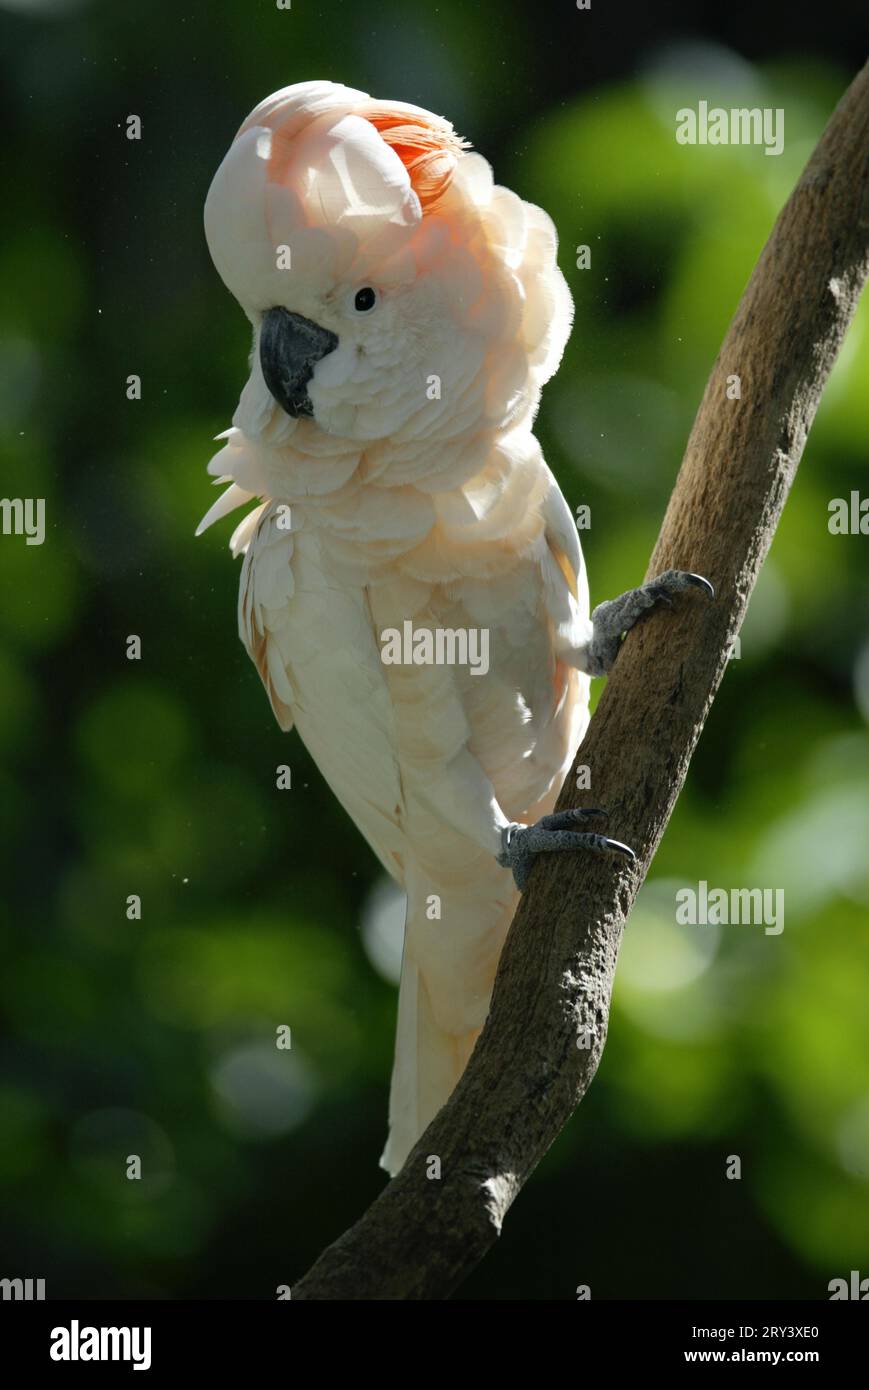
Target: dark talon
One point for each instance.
(521, 844)
(616, 616)
(700, 583)
(618, 848)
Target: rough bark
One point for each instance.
(528, 1073)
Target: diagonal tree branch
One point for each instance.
(527, 1072)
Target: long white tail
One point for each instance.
(428, 1064)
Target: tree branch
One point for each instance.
(527, 1072)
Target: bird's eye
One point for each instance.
(365, 300)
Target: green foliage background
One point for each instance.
(158, 777)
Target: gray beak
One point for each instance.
(290, 347)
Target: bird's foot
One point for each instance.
(618, 615)
(520, 844)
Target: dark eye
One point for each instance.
(365, 300)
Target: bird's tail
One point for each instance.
(447, 974)
(428, 1064)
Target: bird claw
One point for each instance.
(674, 581)
(520, 844)
(616, 616)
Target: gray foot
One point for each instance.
(618, 615)
(520, 844)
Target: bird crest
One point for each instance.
(427, 146)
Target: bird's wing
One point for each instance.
(314, 646)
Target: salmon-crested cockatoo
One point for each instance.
(413, 592)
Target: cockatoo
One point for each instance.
(413, 593)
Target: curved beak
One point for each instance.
(290, 347)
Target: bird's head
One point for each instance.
(392, 288)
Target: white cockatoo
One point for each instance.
(413, 592)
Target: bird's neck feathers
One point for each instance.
(439, 488)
